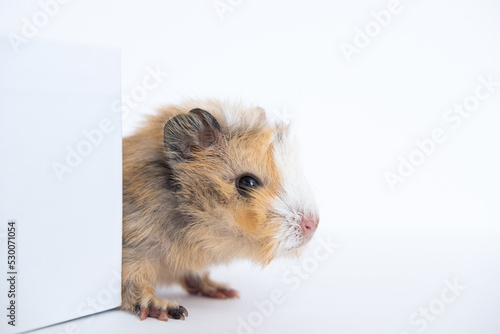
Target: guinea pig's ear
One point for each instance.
(189, 133)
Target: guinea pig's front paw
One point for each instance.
(203, 285)
(152, 311)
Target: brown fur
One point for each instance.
(182, 214)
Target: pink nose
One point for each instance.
(309, 224)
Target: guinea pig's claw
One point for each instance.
(179, 312)
(144, 313)
(231, 293)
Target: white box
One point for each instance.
(60, 181)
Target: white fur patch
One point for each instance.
(239, 116)
(295, 199)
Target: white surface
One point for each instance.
(372, 283)
(69, 223)
(354, 120)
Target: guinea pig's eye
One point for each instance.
(246, 183)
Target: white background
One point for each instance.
(354, 119)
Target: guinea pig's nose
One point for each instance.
(309, 223)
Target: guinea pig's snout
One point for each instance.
(309, 224)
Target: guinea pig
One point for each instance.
(206, 183)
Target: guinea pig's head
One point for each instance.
(237, 177)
